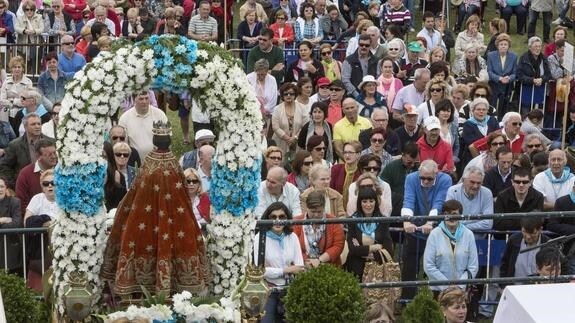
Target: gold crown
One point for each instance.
(161, 128)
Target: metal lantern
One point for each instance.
(78, 297)
(254, 294)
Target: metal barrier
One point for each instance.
(32, 53)
(22, 235)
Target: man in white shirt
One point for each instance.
(276, 189)
(431, 35)
(138, 122)
(101, 15)
(205, 155)
(556, 181)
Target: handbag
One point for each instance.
(386, 271)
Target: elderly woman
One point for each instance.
(288, 119)
(273, 156)
(122, 152)
(317, 126)
(560, 77)
(131, 27)
(388, 85)
(470, 36)
(453, 302)
(487, 159)
(395, 51)
(31, 101)
(28, 27)
(300, 165)
(283, 258)
(12, 88)
(445, 112)
(331, 66)
(377, 140)
(502, 70)
(200, 199)
(265, 87)
(559, 33)
(10, 217)
(320, 243)
(435, 91)
(305, 66)
(7, 18)
(369, 98)
(533, 74)
(450, 252)
(369, 178)
(320, 177)
(57, 23)
(365, 239)
(321, 150)
(305, 90)
(342, 175)
(307, 25)
(115, 185)
(470, 64)
(283, 32)
(479, 125)
(249, 29)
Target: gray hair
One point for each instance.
(399, 43)
(530, 137)
(472, 170)
(510, 115)
(419, 72)
(374, 28)
(478, 101)
(533, 40)
(261, 64)
(383, 111)
(28, 116)
(428, 165)
(316, 169)
(283, 172)
(34, 94)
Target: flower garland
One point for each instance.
(216, 80)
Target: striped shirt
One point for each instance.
(200, 26)
(400, 16)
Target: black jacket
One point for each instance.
(511, 252)
(356, 70)
(356, 257)
(507, 203)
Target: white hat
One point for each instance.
(432, 123)
(368, 79)
(204, 134)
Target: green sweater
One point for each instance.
(276, 55)
(394, 174)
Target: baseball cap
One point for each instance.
(204, 134)
(432, 123)
(323, 81)
(415, 47)
(410, 109)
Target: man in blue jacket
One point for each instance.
(424, 194)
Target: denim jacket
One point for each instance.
(51, 89)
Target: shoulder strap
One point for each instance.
(429, 108)
(385, 256)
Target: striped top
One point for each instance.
(400, 16)
(199, 26)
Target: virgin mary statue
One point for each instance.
(155, 241)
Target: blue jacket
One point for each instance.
(495, 70)
(8, 23)
(440, 262)
(413, 197)
(53, 90)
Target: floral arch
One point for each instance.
(217, 82)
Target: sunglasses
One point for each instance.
(335, 89)
(372, 169)
(426, 179)
(28, 9)
(125, 155)
(364, 45)
(480, 95)
(516, 181)
(325, 87)
(280, 18)
(47, 183)
(278, 217)
(499, 143)
(393, 49)
(377, 141)
(23, 98)
(308, 163)
(2, 7)
(121, 138)
(192, 181)
(436, 90)
(70, 43)
(275, 158)
(534, 146)
(516, 124)
(289, 94)
(55, 114)
(325, 53)
(319, 148)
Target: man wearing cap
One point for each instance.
(190, 159)
(413, 94)
(336, 96)
(69, 61)
(348, 128)
(410, 130)
(358, 65)
(432, 36)
(431, 146)
(322, 90)
(410, 64)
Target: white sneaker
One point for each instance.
(557, 21)
(411, 29)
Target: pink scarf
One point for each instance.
(388, 93)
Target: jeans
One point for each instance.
(533, 16)
(464, 13)
(410, 5)
(271, 309)
(520, 12)
(564, 10)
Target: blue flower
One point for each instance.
(77, 188)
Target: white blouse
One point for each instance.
(277, 258)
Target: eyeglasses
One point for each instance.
(121, 138)
(519, 182)
(349, 153)
(516, 124)
(55, 6)
(280, 18)
(2, 7)
(47, 183)
(364, 45)
(275, 158)
(372, 169)
(67, 43)
(125, 155)
(278, 217)
(426, 179)
(308, 163)
(377, 141)
(435, 89)
(192, 181)
(28, 9)
(498, 143)
(55, 114)
(380, 120)
(534, 146)
(335, 89)
(319, 148)
(393, 49)
(325, 87)
(289, 94)
(480, 95)
(326, 53)
(23, 98)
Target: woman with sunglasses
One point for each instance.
(122, 152)
(283, 259)
(305, 66)
(58, 23)
(486, 159)
(321, 151)
(200, 200)
(389, 85)
(370, 169)
(287, 120)
(300, 165)
(283, 32)
(435, 91)
(40, 212)
(366, 239)
(320, 176)
(331, 66)
(12, 88)
(115, 187)
(317, 126)
(477, 126)
(273, 156)
(28, 27)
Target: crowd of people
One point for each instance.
(358, 122)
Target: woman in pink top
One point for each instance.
(388, 84)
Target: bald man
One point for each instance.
(276, 189)
(205, 155)
(349, 127)
(556, 181)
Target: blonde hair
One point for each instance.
(121, 145)
(46, 173)
(436, 81)
(104, 41)
(193, 171)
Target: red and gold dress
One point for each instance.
(155, 241)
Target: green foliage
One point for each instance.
(423, 309)
(325, 294)
(151, 300)
(20, 302)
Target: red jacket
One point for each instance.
(288, 33)
(204, 206)
(27, 185)
(332, 241)
(441, 153)
(74, 8)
